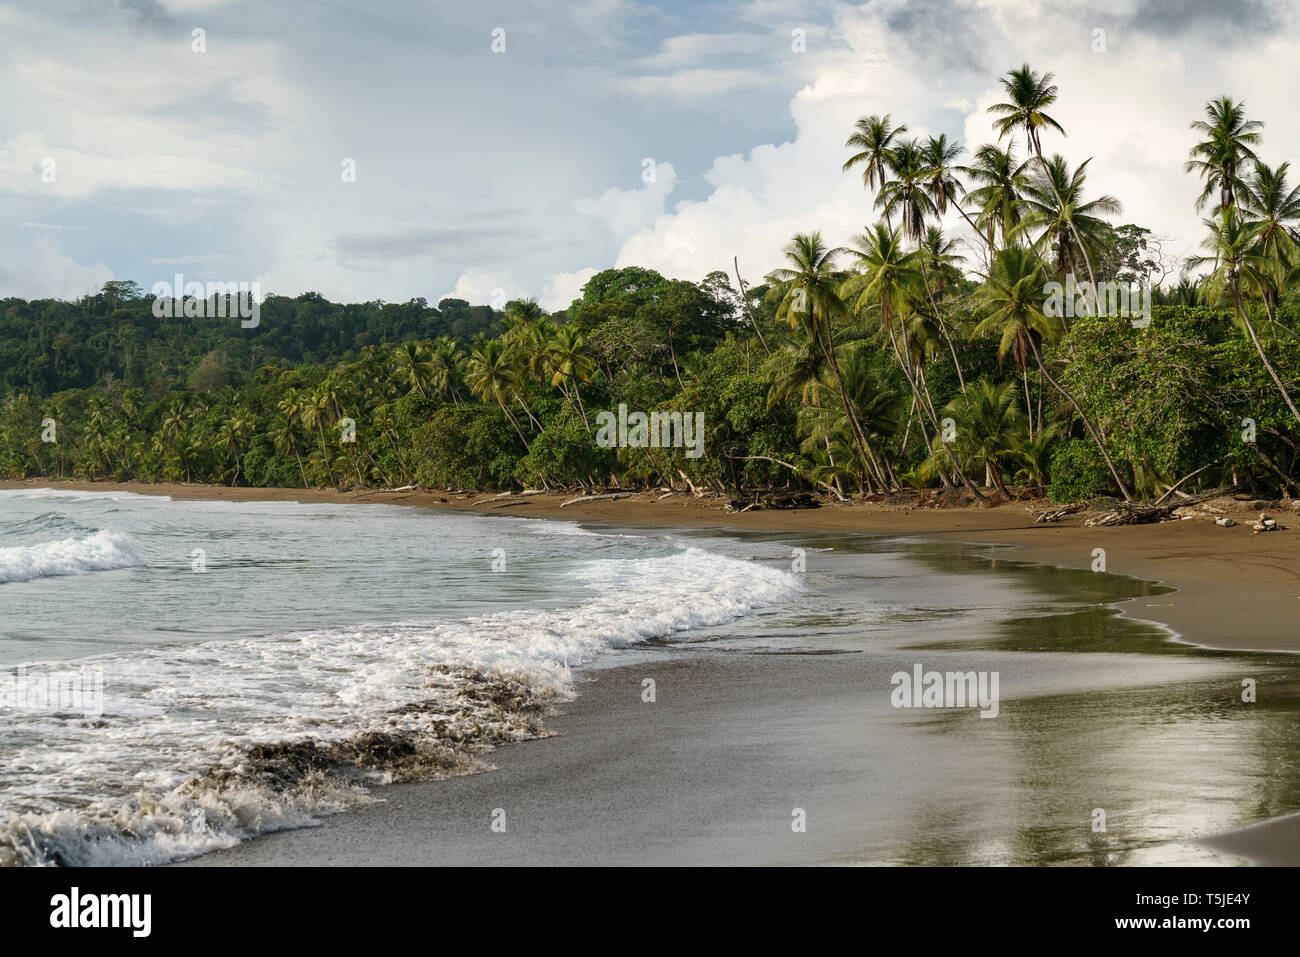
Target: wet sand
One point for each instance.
(715, 778)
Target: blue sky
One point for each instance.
(482, 173)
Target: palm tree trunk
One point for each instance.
(864, 447)
(1250, 327)
(916, 393)
(1092, 431)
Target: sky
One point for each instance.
(414, 149)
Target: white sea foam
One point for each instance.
(176, 764)
(99, 551)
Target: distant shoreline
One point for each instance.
(1236, 591)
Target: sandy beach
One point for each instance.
(1235, 591)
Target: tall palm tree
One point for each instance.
(873, 141)
(1236, 266)
(1029, 94)
(941, 182)
(996, 201)
(1224, 156)
(907, 191)
(314, 409)
(941, 267)
(444, 364)
(1053, 204)
(1012, 301)
(887, 277)
(808, 298)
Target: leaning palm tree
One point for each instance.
(1224, 156)
(314, 410)
(1029, 94)
(887, 277)
(570, 365)
(1054, 207)
(808, 298)
(492, 376)
(1236, 266)
(1012, 301)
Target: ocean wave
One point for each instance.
(100, 551)
(201, 746)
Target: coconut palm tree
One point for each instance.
(873, 140)
(315, 407)
(1053, 205)
(907, 191)
(1012, 301)
(412, 367)
(492, 375)
(1272, 208)
(887, 278)
(444, 366)
(990, 427)
(570, 365)
(1223, 158)
(1029, 94)
(996, 201)
(808, 298)
(284, 436)
(1235, 267)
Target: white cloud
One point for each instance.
(625, 211)
(562, 288)
(45, 272)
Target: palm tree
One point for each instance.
(412, 367)
(1235, 265)
(908, 191)
(1273, 207)
(569, 363)
(314, 410)
(444, 363)
(1222, 158)
(1029, 95)
(1012, 299)
(808, 299)
(492, 376)
(997, 200)
(1053, 203)
(990, 429)
(285, 438)
(887, 278)
(938, 258)
(873, 139)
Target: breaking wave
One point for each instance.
(97, 551)
(201, 746)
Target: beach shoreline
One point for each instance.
(1235, 591)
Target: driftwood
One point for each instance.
(793, 468)
(1138, 513)
(609, 496)
(689, 484)
(509, 504)
(1055, 514)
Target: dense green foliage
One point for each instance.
(904, 361)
